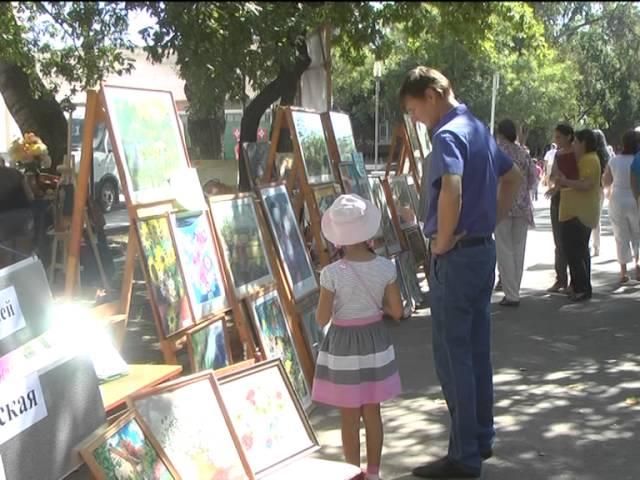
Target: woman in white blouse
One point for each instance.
(623, 208)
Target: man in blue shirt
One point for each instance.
(471, 187)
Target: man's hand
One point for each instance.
(550, 193)
(439, 247)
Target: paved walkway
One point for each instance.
(563, 376)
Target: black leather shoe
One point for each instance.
(444, 468)
(509, 303)
(487, 454)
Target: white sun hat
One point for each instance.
(350, 220)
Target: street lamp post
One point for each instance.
(377, 73)
(494, 96)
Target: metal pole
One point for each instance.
(494, 94)
(377, 120)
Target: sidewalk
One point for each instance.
(562, 374)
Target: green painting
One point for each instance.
(313, 145)
(343, 134)
(149, 141)
(209, 347)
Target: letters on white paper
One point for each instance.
(11, 319)
(21, 405)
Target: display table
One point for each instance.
(316, 469)
(115, 392)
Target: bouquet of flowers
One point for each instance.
(30, 152)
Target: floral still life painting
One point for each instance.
(275, 338)
(208, 347)
(126, 454)
(166, 282)
(148, 137)
(264, 414)
(199, 261)
(189, 424)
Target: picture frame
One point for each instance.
(208, 346)
(200, 262)
(388, 232)
(310, 135)
(126, 450)
(313, 333)
(413, 193)
(325, 195)
(165, 281)
(412, 133)
(190, 422)
(417, 245)
(147, 139)
(405, 294)
(403, 201)
(275, 339)
(343, 133)
(255, 156)
(353, 181)
(268, 416)
(288, 240)
(239, 229)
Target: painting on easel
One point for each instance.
(313, 146)
(148, 140)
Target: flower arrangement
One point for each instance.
(30, 152)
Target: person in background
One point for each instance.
(634, 176)
(472, 184)
(623, 206)
(579, 211)
(549, 159)
(604, 155)
(539, 168)
(511, 233)
(564, 164)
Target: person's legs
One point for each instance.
(622, 233)
(584, 234)
(350, 426)
(560, 258)
(520, 231)
(506, 263)
(572, 241)
(374, 436)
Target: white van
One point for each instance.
(106, 183)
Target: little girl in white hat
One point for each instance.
(356, 368)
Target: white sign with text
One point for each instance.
(11, 319)
(21, 405)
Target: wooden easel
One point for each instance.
(406, 159)
(297, 180)
(95, 112)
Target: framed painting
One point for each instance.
(413, 193)
(208, 346)
(343, 133)
(417, 245)
(325, 196)
(255, 158)
(313, 146)
(236, 220)
(407, 300)
(190, 422)
(276, 340)
(166, 284)
(388, 230)
(313, 333)
(288, 240)
(147, 140)
(353, 181)
(414, 142)
(200, 263)
(125, 451)
(268, 416)
(402, 201)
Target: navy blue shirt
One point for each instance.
(463, 145)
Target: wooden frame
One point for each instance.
(380, 198)
(309, 285)
(219, 321)
(175, 385)
(102, 436)
(400, 152)
(314, 334)
(253, 304)
(395, 218)
(248, 199)
(304, 450)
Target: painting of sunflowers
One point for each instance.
(166, 283)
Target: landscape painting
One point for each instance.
(313, 146)
(288, 240)
(200, 263)
(166, 284)
(276, 341)
(148, 138)
(343, 133)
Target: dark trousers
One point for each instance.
(575, 241)
(461, 282)
(561, 259)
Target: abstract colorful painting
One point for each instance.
(166, 283)
(200, 264)
(207, 345)
(148, 138)
(275, 338)
(237, 223)
(288, 240)
(188, 420)
(388, 230)
(125, 453)
(343, 134)
(265, 414)
(313, 145)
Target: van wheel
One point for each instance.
(107, 195)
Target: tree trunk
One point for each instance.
(206, 129)
(283, 87)
(42, 116)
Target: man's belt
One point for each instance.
(468, 242)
